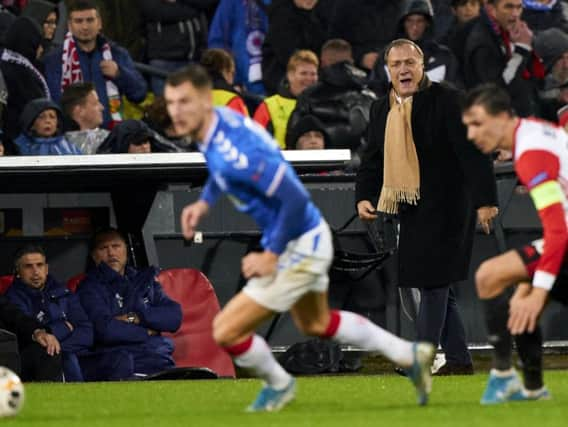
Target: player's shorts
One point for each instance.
(530, 254)
(302, 268)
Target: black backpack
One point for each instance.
(312, 357)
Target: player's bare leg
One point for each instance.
(233, 329)
(313, 317)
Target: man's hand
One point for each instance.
(109, 68)
(48, 341)
(485, 215)
(521, 33)
(524, 310)
(258, 264)
(190, 217)
(366, 211)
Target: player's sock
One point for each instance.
(254, 355)
(529, 347)
(496, 316)
(350, 328)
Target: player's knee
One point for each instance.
(313, 328)
(486, 280)
(222, 333)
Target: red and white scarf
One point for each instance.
(71, 73)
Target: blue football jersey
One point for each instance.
(246, 164)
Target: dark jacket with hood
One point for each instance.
(39, 10)
(53, 306)
(341, 101)
(134, 132)
(29, 144)
(24, 84)
(175, 31)
(368, 25)
(436, 235)
(485, 61)
(440, 64)
(290, 29)
(105, 294)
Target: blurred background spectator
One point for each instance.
(543, 14)
(84, 112)
(176, 34)
(308, 134)
(552, 46)
(240, 26)
(221, 68)
(417, 24)
(46, 14)
(368, 25)
(21, 71)
(42, 130)
(274, 112)
(292, 25)
(134, 136)
(88, 56)
(340, 100)
(499, 49)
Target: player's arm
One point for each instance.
(538, 170)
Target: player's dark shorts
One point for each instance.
(530, 254)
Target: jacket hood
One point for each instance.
(6, 19)
(24, 37)
(416, 7)
(35, 108)
(344, 75)
(38, 10)
(307, 124)
(550, 45)
(125, 133)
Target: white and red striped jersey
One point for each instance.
(541, 163)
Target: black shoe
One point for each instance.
(452, 369)
(400, 371)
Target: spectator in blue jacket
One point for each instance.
(87, 55)
(38, 295)
(129, 311)
(42, 130)
(240, 27)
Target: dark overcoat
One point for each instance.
(436, 236)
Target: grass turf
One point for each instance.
(346, 401)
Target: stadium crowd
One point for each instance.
(300, 68)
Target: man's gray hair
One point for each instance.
(402, 42)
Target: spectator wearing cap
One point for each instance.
(42, 130)
(552, 47)
(308, 134)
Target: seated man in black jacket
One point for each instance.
(340, 100)
(39, 352)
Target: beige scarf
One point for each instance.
(401, 172)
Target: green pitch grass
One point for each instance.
(342, 401)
